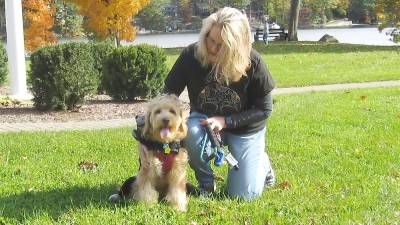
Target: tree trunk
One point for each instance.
(294, 19)
(323, 16)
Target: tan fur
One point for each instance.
(151, 184)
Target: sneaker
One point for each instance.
(192, 190)
(207, 190)
(270, 179)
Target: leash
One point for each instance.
(217, 151)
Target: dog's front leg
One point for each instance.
(176, 197)
(176, 194)
(145, 192)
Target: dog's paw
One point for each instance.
(114, 198)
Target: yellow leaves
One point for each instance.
(39, 21)
(111, 17)
(388, 11)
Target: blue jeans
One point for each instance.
(249, 151)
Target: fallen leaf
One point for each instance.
(218, 178)
(87, 165)
(285, 185)
(222, 209)
(202, 213)
(358, 151)
(395, 174)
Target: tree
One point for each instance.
(278, 10)
(239, 4)
(362, 11)
(111, 18)
(2, 19)
(38, 22)
(294, 19)
(185, 10)
(152, 17)
(67, 22)
(320, 8)
(388, 12)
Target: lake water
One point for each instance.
(366, 36)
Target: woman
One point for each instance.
(229, 88)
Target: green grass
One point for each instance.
(336, 155)
(310, 63)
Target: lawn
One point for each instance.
(336, 155)
(311, 63)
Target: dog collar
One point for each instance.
(154, 145)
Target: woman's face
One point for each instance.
(214, 43)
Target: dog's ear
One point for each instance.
(182, 130)
(147, 129)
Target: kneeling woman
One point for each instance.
(229, 88)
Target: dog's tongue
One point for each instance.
(164, 133)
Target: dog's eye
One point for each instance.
(157, 111)
(172, 111)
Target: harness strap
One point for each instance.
(165, 152)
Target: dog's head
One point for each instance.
(164, 120)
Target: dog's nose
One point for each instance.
(165, 121)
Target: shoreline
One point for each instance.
(309, 27)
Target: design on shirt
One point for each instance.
(217, 99)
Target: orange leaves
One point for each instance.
(38, 22)
(111, 17)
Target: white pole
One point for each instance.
(16, 50)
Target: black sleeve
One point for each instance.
(261, 111)
(175, 82)
(260, 97)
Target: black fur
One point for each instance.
(126, 188)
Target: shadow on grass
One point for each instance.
(55, 202)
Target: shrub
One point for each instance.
(135, 71)
(100, 51)
(3, 64)
(62, 75)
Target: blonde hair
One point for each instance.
(234, 55)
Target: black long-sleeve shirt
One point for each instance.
(247, 103)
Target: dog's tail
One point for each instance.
(124, 192)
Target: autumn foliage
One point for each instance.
(38, 23)
(110, 17)
(388, 12)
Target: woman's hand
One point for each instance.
(217, 123)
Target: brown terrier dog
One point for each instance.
(163, 162)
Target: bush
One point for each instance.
(135, 71)
(3, 64)
(100, 51)
(62, 75)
